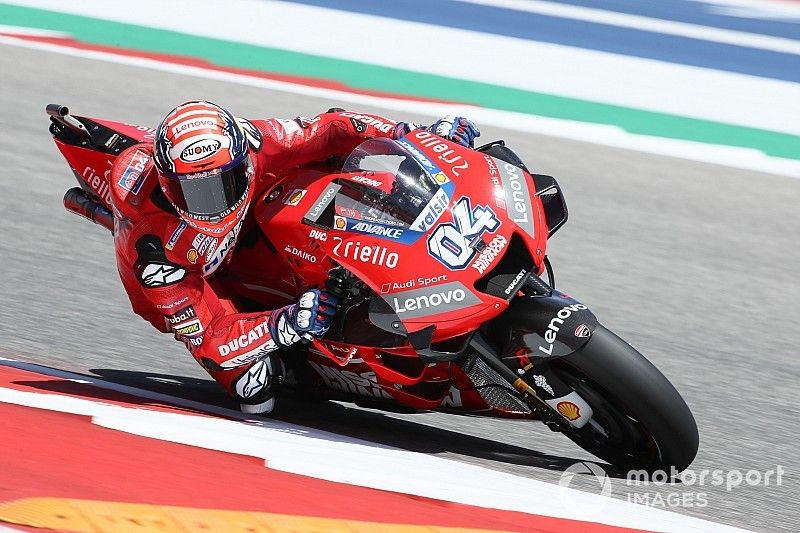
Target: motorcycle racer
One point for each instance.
(181, 207)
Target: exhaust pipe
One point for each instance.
(78, 201)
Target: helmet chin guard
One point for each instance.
(204, 166)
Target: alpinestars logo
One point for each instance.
(255, 380)
(160, 275)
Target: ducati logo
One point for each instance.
(583, 331)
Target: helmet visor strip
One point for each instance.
(211, 195)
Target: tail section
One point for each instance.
(90, 147)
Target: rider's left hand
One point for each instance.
(457, 129)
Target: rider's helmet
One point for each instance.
(204, 166)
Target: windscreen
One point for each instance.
(387, 185)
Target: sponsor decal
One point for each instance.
(318, 235)
(515, 282)
(99, 184)
(173, 239)
(551, 333)
(254, 380)
(289, 127)
(192, 125)
(569, 410)
(359, 126)
(494, 176)
(371, 254)
(431, 213)
(442, 149)
(339, 223)
(583, 331)
(432, 300)
(542, 383)
(440, 178)
(192, 255)
(156, 275)
(348, 212)
(195, 341)
(490, 253)
(204, 244)
(363, 384)
(323, 201)
(379, 230)
(226, 245)
(421, 281)
(378, 124)
(452, 398)
(252, 133)
(367, 181)
(419, 155)
(200, 149)
(189, 330)
(246, 339)
(305, 122)
(294, 197)
(517, 197)
(180, 316)
(250, 356)
(573, 408)
(451, 242)
(302, 254)
(212, 245)
(176, 303)
(131, 179)
(149, 133)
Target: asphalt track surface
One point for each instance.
(694, 264)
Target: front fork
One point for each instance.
(537, 328)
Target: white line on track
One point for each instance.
(743, 158)
(323, 455)
(624, 20)
(528, 65)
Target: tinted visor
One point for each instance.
(213, 195)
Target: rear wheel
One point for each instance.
(640, 421)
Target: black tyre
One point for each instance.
(640, 421)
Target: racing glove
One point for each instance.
(404, 128)
(309, 317)
(457, 129)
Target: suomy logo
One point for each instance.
(200, 150)
(553, 327)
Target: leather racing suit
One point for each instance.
(175, 276)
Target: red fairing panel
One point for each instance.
(176, 277)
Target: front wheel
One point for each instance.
(640, 421)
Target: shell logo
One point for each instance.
(192, 255)
(340, 223)
(569, 410)
(440, 178)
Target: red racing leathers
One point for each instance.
(175, 276)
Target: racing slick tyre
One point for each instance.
(640, 421)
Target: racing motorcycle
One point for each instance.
(436, 252)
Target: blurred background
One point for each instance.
(673, 126)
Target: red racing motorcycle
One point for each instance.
(436, 252)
